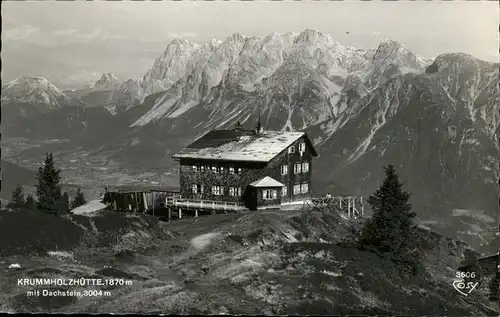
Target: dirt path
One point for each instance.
(200, 242)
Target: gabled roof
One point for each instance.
(267, 182)
(232, 145)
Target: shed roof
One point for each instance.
(267, 182)
(232, 145)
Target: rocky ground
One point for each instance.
(293, 262)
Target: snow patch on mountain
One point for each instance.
(33, 89)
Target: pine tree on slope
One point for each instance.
(48, 190)
(17, 200)
(79, 200)
(30, 203)
(64, 203)
(390, 231)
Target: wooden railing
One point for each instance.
(203, 204)
(352, 206)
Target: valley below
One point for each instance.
(80, 168)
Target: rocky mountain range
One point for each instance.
(434, 119)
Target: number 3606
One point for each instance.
(466, 274)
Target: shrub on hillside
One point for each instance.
(30, 232)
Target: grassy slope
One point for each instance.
(249, 263)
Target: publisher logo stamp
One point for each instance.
(464, 288)
(463, 283)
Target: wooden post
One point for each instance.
(362, 207)
(169, 213)
(196, 212)
(180, 213)
(153, 202)
(498, 273)
(134, 202)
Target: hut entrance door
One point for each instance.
(251, 198)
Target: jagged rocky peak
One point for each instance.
(28, 84)
(33, 89)
(178, 46)
(444, 61)
(314, 36)
(169, 67)
(213, 44)
(31, 81)
(397, 53)
(131, 86)
(235, 38)
(107, 81)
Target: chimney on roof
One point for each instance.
(258, 128)
(238, 127)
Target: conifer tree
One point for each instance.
(17, 200)
(390, 232)
(48, 190)
(30, 203)
(64, 203)
(79, 200)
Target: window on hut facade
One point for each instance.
(302, 147)
(305, 167)
(231, 170)
(234, 191)
(194, 188)
(202, 168)
(284, 191)
(194, 168)
(217, 190)
(214, 169)
(297, 168)
(221, 169)
(304, 188)
(238, 170)
(296, 189)
(284, 169)
(270, 194)
(291, 149)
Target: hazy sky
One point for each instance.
(74, 42)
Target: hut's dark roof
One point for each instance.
(234, 145)
(142, 188)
